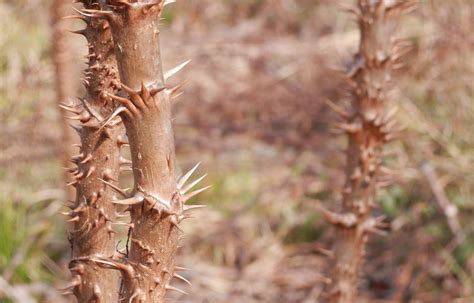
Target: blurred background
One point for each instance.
(254, 114)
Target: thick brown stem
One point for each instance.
(98, 167)
(65, 84)
(369, 126)
(154, 238)
(156, 204)
(138, 46)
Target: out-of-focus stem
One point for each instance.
(65, 83)
(369, 125)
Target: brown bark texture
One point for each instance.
(64, 81)
(97, 167)
(369, 125)
(156, 204)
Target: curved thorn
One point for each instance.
(137, 199)
(128, 90)
(182, 279)
(118, 98)
(69, 108)
(119, 110)
(114, 187)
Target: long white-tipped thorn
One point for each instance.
(170, 73)
(178, 276)
(192, 207)
(185, 178)
(194, 193)
(162, 201)
(191, 185)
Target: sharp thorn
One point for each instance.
(194, 193)
(185, 178)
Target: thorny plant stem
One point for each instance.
(97, 167)
(156, 204)
(369, 125)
